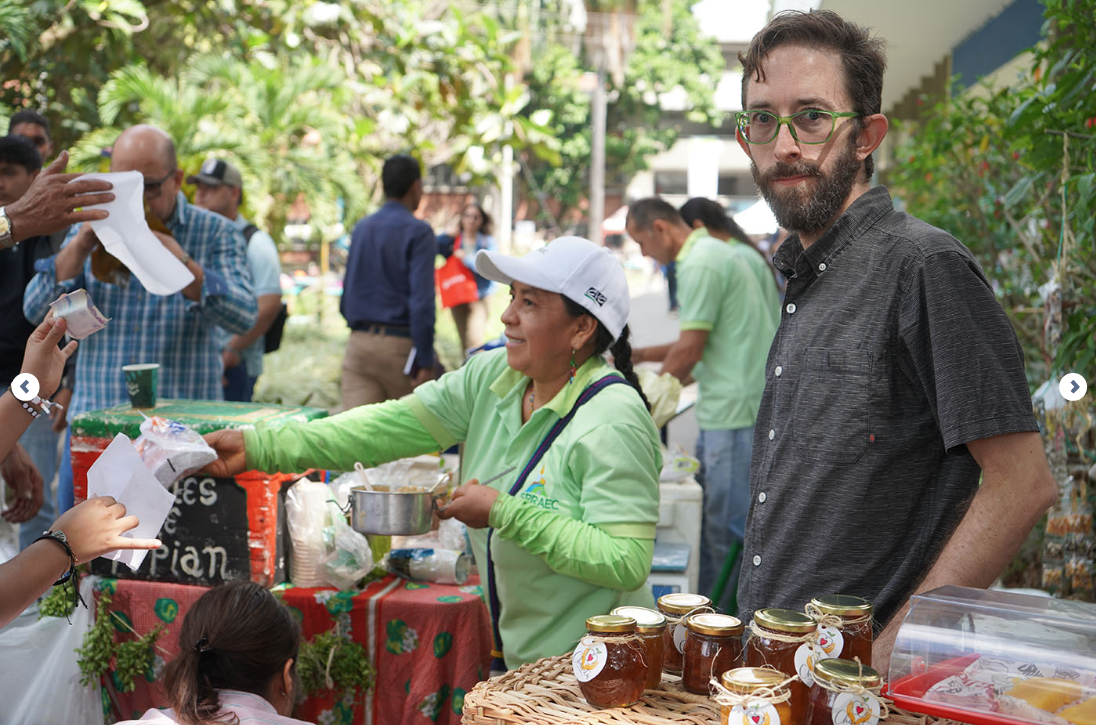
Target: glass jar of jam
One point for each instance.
(782, 638)
(713, 645)
(845, 693)
(772, 707)
(854, 636)
(651, 628)
(610, 662)
(675, 607)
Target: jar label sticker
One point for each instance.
(754, 713)
(589, 659)
(680, 633)
(805, 657)
(855, 709)
(830, 642)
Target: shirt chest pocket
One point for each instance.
(831, 406)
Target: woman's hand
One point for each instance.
(95, 527)
(471, 504)
(43, 359)
(231, 458)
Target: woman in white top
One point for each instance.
(237, 657)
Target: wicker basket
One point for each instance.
(545, 692)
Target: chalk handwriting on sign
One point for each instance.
(205, 536)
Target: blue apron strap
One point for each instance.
(492, 592)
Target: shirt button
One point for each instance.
(790, 308)
(822, 267)
(757, 560)
(772, 434)
(779, 371)
(761, 497)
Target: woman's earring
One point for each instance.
(573, 368)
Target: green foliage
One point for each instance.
(131, 658)
(670, 55)
(990, 166)
(330, 661)
(58, 603)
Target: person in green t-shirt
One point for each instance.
(727, 324)
(576, 538)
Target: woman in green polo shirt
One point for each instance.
(572, 535)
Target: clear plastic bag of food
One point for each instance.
(171, 450)
(349, 558)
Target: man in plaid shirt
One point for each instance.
(177, 331)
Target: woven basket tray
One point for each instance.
(545, 692)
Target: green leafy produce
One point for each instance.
(331, 662)
(132, 659)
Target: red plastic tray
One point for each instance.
(908, 693)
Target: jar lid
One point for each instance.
(719, 625)
(647, 620)
(842, 605)
(745, 680)
(785, 620)
(611, 623)
(682, 603)
(847, 672)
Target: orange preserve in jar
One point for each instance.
(844, 693)
(651, 628)
(610, 662)
(675, 607)
(713, 645)
(782, 638)
(853, 637)
(761, 695)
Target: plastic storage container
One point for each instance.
(993, 657)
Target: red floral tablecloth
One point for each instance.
(430, 643)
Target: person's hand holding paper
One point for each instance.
(119, 472)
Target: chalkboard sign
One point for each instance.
(205, 537)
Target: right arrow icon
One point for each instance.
(1073, 386)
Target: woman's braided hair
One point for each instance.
(621, 350)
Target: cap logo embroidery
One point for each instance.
(596, 295)
(210, 167)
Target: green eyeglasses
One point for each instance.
(811, 126)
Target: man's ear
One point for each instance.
(743, 143)
(872, 133)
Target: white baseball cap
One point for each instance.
(574, 267)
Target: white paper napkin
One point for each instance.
(126, 236)
(119, 472)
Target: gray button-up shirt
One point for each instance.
(892, 353)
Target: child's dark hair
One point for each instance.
(21, 152)
(235, 637)
(621, 350)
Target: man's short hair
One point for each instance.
(400, 172)
(713, 216)
(21, 152)
(863, 57)
(28, 117)
(642, 213)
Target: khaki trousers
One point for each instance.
(373, 369)
(471, 320)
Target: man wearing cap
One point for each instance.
(178, 331)
(388, 294)
(727, 325)
(220, 189)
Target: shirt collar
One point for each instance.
(511, 384)
(244, 699)
(181, 213)
(794, 261)
(240, 222)
(689, 242)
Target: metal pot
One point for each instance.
(391, 513)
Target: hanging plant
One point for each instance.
(131, 659)
(330, 661)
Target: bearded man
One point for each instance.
(895, 380)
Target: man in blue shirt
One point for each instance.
(178, 331)
(388, 294)
(220, 189)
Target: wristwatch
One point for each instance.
(5, 230)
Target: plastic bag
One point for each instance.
(348, 557)
(453, 534)
(41, 684)
(171, 450)
(677, 465)
(663, 393)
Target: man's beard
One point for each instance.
(812, 207)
